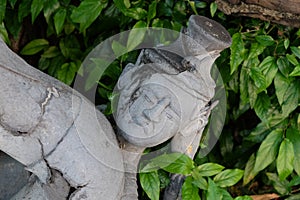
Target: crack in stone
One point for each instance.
(63, 137)
(43, 158)
(10, 129)
(52, 91)
(19, 74)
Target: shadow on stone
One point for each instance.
(13, 176)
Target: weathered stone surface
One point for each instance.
(57, 134)
(167, 94)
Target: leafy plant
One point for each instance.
(209, 178)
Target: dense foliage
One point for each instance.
(259, 149)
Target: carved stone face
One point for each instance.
(154, 110)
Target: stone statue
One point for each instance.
(167, 94)
(71, 150)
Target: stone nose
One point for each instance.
(154, 113)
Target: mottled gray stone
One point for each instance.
(57, 134)
(167, 94)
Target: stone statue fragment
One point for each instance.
(69, 150)
(167, 93)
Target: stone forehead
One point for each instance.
(185, 83)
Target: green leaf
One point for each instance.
(51, 52)
(12, 24)
(295, 181)
(269, 69)
(164, 178)
(225, 194)
(209, 169)
(201, 4)
(258, 134)
(189, 191)
(164, 10)
(193, 6)
(237, 55)
(265, 40)
(213, 8)
(293, 197)
(291, 98)
(244, 82)
(34, 47)
(255, 50)
(280, 186)
(121, 5)
(214, 192)
(12, 3)
(182, 165)
(296, 51)
(268, 150)
(87, 12)
(69, 27)
(4, 34)
(296, 71)
(150, 184)
(228, 177)
(136, 13)
(199, 181)
(174, 163)
(24, 10)
(298, 121)
(36, 7)
(248, 88)
(55, 65)
(67, 72)
(70, 47)
(249, 173)
(292, 59)
(113, 71)
(284, 66)
(253, 92)
(118, 48)
(151, 11)
(286, 43)
(258, 78)
(179, 10)
(136, 35)
(2, 10)
(294, 136)
(262, 106)
(226, 144)
(243, 198)
(44, 63)
(59, 20)
(281, 86)
(127, 3)
(285, 159)
(97, 69)
(49, 8)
